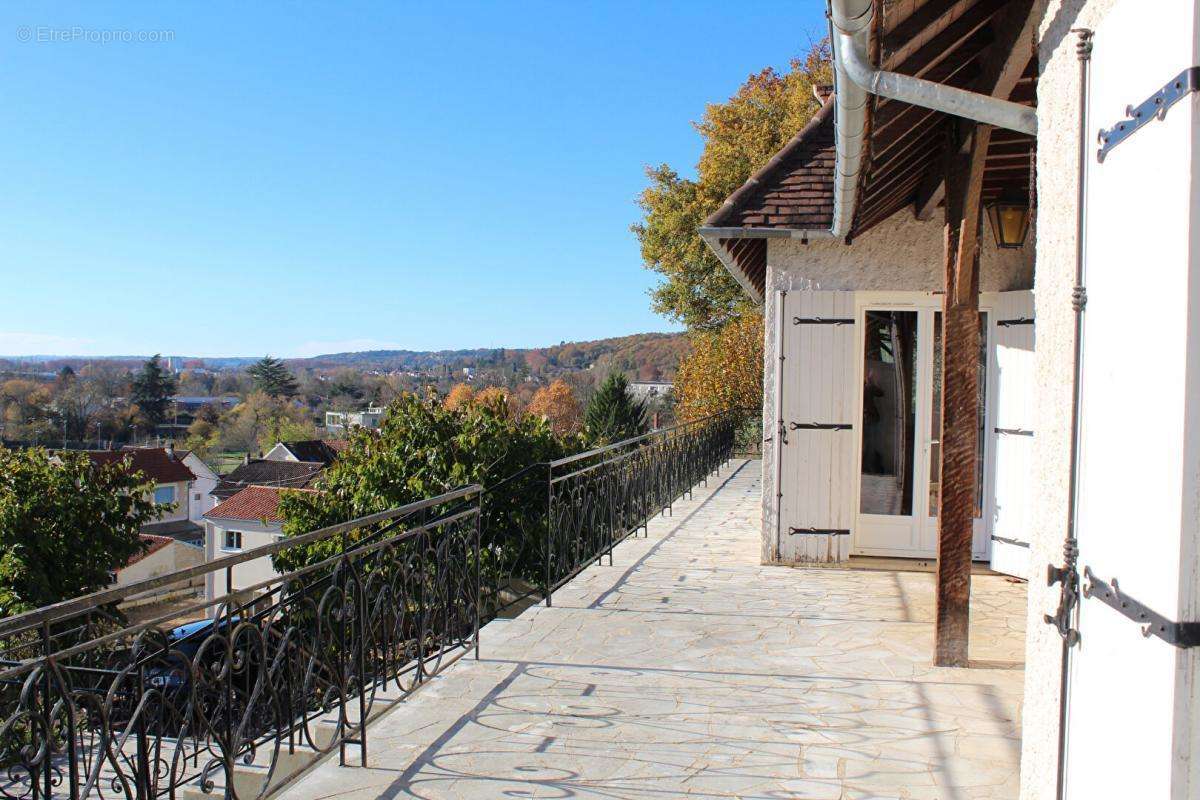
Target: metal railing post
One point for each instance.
(478, 570)
(549, 532)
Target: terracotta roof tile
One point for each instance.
(255, 503)
(153, 462)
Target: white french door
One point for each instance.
(899, 427)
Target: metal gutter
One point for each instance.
(855, 79)
(850, 24)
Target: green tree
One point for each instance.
(271, 377)
(424, 449)
(612, 414)
(152, 389)
(64, 524)
(740, 135)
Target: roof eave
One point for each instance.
(713, 240)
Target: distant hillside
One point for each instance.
(645, 354)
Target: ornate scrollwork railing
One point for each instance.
(598, 498)
(90, 708)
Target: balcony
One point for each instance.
(419, 655)
(686, 668)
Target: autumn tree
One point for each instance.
(724, 370)
(461, 396)
(558, 405)
(65, 524)
(259, 422)
(496, 398)
(152, 390)
(740, 135)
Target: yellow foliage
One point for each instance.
(724, 370)
(460, 396)
(558, 404)
(494, 396)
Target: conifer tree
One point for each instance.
(272, 378)
(612, 413)
(153, 387)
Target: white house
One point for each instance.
(979, 273)
(650, 390)
(370, 418)
(173, 482)
(200, 493)
(247, 520)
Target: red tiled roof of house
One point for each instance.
(256, 503)
(153, 545)
(153, 462)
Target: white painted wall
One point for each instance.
(200, 499)
(254, 534)
(901, 254)
(182, 509)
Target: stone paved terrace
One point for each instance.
(688, 669)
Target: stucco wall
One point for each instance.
(254, 534)
(902, 253)
(174, 556)
(1058, 91)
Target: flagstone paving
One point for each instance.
(689, 669)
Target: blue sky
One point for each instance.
(300, 178)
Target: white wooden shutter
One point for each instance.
(1012, 433)
(818, 399)
(1134, 704)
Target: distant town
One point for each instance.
(224, 409)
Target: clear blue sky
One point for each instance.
(299, 178)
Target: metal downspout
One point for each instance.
(850, 31)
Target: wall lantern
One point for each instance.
(1009, 216)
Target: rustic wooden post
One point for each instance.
(960, 396)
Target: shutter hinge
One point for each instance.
(1153, 107)
(1178, 634)
(821, 426)
(819, 531)
(822, 321)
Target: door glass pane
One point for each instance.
(889, 412)
(935, 428)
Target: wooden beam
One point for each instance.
(930, 193)
(960, 397)
(1002, 66)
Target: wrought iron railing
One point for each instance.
(599, 498)
(295, 662)
(296, 665)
